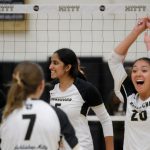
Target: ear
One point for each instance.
(68, 67)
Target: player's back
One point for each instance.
(34, 126)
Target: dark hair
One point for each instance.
(25, 79)
(67, 56)
(143, 58)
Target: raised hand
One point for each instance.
(141, 25)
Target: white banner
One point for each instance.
(72, 8)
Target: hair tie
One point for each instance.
(17, 78)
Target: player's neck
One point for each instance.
(34, 96)
(144, 96)
(65, 83)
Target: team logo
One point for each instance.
(102, 8)
(36, 8)
(28, 106)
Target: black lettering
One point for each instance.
(31, 124)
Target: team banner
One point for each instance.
(91, 8)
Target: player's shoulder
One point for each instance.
(45, 106)
(37, 104)
(83, 83)
(57, 110)
(60, 113)
(133, 98)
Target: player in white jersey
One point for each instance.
(29, 123)
(75, 96)
(134, 90)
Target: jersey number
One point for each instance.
(142, 115)
(30, 126)
(57, 104)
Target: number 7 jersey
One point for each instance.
(35, 126)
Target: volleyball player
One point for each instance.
(28, 122)
(134, 92)
(75, 96)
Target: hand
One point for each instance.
(141, 25)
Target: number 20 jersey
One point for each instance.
(137, 119)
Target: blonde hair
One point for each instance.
(25, 80)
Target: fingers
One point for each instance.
(144, 21)
(140, 21)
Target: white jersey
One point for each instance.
(35, 126)
(137, 122)
(76, 101)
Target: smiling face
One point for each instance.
(64, 64)
(57, 67)
(141, 77)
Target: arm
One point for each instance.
(123, 46)
(106, 122)
(109, 143)
(94, 99)
(117, 57)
